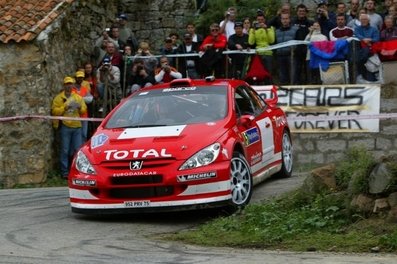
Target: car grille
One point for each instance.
(142, 192)
(136, 180)
(147, 164)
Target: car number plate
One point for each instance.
(134, 204)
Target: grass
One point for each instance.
(320, 225)
(303, 221)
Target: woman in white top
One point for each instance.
(313, 36)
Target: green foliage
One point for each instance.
(272, 223)
(245, 8)
(389, 241)
(357, 162)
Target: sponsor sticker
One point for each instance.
(114, 154)
(257, 157)
(98, 140)
(136, 204)
(251, 136)
(80, 182)
(134, 173)
(197, 176)
(178, 89)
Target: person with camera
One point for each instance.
(326, 18)
(262, 36)
(149, 60)
(139, 77)
(108, 80)
(165, 73)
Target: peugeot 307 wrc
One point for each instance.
(182, 145)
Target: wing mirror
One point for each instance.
(246, 120)
(273, 100)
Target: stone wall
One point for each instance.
(31, 75)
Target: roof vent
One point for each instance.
(181, 82)
(210, 78)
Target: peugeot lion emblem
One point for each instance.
(136, 164)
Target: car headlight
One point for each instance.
(83, 164)
(203, 157)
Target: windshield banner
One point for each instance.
(328, 108)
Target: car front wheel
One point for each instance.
(241, 181)
(286, 156)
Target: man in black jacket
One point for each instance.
(189, 66)
(238, 41)
(303, 23)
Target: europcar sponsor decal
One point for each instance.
(98, 140)
(177, 89)
(81, 182)
(257, 157)
(197, 176)
(251, 136)
(135, 153)
(134, 173)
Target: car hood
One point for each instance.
(176, 142)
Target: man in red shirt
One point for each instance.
(212, 59)
(340, 31)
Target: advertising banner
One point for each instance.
(318, 104)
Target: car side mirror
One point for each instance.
(272, 101)
(246, 120)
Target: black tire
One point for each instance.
(286, 156)
(240, 181)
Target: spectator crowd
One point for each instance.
(121, 64)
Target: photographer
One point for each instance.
(139, 76)
(326, 19)
(262, 36)
(108, 78)
(165, 73)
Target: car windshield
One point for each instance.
(171, 106)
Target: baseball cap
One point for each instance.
(322, 2)
(80, 74)
(106, 60)
(238, 24)
(68, 79)
(123, 16)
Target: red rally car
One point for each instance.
(183, 145)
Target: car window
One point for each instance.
(171, 106)
(248, 102)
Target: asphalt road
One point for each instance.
(37, 226)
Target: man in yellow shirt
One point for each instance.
(68, 104)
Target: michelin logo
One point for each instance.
(198, 176)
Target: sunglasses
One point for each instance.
(214, 30)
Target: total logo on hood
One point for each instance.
(115, 154)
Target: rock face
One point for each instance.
(320, 179)
(380, 179)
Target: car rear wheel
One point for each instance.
(241, 181)
(286, 156)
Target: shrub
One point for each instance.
(357, 162)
